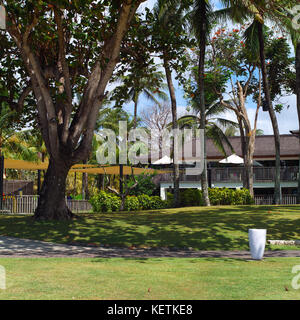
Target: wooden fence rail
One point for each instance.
(268, 199)
(28, 204)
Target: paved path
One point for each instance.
(15, 247)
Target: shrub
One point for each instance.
(187, 198)
(145, 185)
(190, 197)
(115, 203)
(158, 203)
(217, 196)
(145, 202)
(225, 196)
(170, 200)
(105, 202)
(132, 203)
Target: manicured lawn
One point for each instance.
(131, 278)
(215, 228)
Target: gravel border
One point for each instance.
(24, 248)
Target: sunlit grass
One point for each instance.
(214, 228)
(158, 279)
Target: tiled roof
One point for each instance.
(264, 147)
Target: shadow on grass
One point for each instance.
(214, 228)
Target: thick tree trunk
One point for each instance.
(52, 203)
(298, 106)
(277, 187)
(175, 144)
(247, 143)
(248, 164)
(250, 156)
(201, 66)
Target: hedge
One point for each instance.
(217, 196)
(107, 202)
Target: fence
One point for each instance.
(235, 174)
(28, 204)
(268, 199)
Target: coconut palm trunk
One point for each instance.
(201, 65)
(298, 105)
(1, 172)
(277, 188)
(176, 173)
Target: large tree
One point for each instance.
(170, 40)
(201, 20)
(258, 12)
(286, 16)
(228, 55)
(69, 50)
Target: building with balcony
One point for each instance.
(231, 176)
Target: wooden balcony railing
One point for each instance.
(235, 174)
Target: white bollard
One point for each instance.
(257, 242)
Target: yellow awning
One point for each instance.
(81, 168)
(115, 170)
(24, 165)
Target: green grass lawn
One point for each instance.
(130, 279)
(214, 228)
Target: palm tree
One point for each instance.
(242, 10)
(151, 87)
(294, 34)
(169, 21)
(201, 20)
(214, 125)
(109, 118)
(27, 145)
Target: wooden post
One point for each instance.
(39, 182)
(121, 178)
(1, 181)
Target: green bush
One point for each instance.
(190, 197)
(170, 200)
(217, 196)
(157, 203)
(145, 202)
(145, 185)
(132, 203)
(187, 198)
(225, 196)
(105, 202)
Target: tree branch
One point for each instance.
(86, 116)
(66, 74)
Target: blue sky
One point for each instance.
(287, 119)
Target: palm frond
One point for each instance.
(201, 14)
(219, 138)
(215, 109)
(225, 123)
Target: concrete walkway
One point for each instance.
(15, 247)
